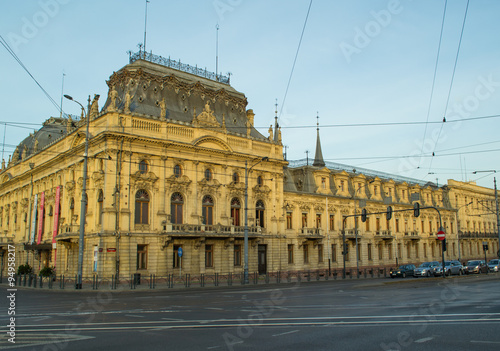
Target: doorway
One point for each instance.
(262, 259)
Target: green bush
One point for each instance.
(24, 269)
(46, 271)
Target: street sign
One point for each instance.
(440, 235)
(179, 252)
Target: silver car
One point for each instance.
(426, 269)
(450, 267)
(493, 265)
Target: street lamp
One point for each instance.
(245, 246)
(458, 228)
(84, 196)
(496, 204)
(356, 225)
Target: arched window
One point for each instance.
(236, 177)
(176, 206)
(143, 167)
(142, 207)
(208, 174)
(235, 211)
(177, 171)
(100, 202)
(260, 181)
(259, 213)
(207, 210)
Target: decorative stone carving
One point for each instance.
(146, 181)
(94, 107)
(70, 188)
(113, 96)
(206, 118)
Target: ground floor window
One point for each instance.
(290, 253)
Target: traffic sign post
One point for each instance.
(442, 236)
(179, 253)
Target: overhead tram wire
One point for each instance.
(451, 82)
(295, 61)
(13, 54)
(433, 79)
(351, 125)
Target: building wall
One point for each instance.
(132, 153)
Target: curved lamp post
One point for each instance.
(247, 170)
(356, 224)
(78, 284)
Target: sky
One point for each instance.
(369, 69)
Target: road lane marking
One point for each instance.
(286, 333)
(420, 341)
(484, 342)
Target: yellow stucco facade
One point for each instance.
(168, 155)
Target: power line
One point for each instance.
(295, 60)
(434, 78)
(452, 78)
(13, 54)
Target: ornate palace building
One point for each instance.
(170, 156)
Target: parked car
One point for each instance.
(426, 269)
(406, 270)
(493, 265)
(450, 267)
(476, 266)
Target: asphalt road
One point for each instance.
(460, 313)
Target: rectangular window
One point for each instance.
(380, 252)
(318, 220)
(370, 252)
(177, 259)
(408, 251)
(399, 251)
(237, 255)
(367, 223)
(305, 248)
(375, 190)
(422, 226)
(377, 225)
(290, 253)
(209, 255)
(417, 253)
(334, 252)
(332, 222)
(320, 253)
(142, 256)
(341, 185)
(289, 220)
(397, 225)
(389, 251)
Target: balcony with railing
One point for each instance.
(217, 230)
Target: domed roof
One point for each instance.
(53, 129)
